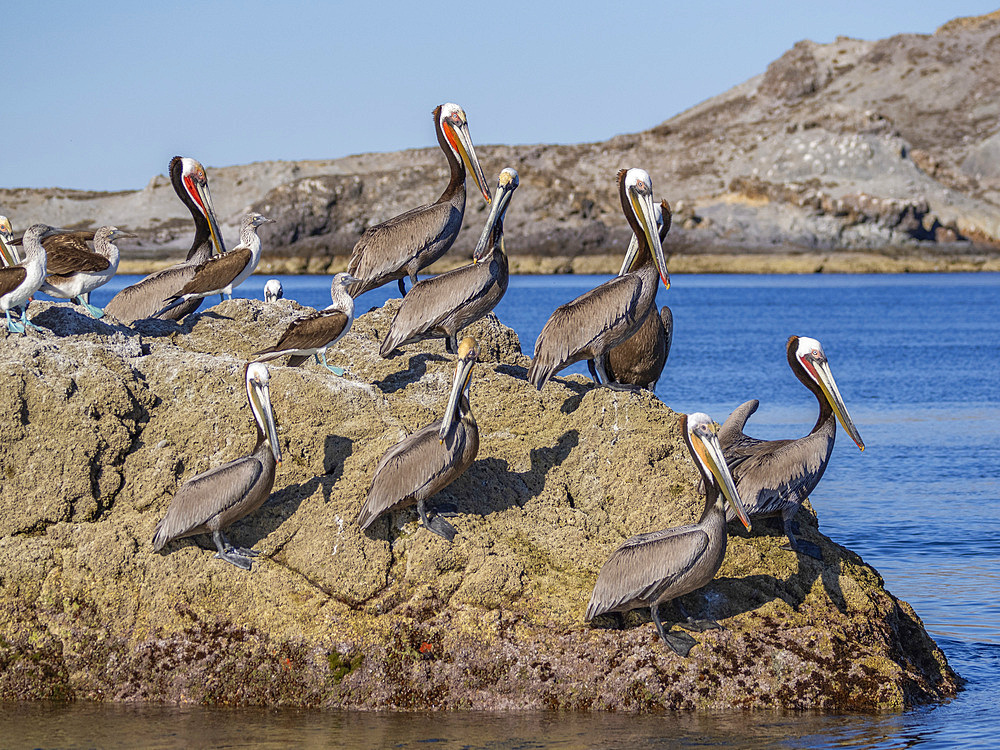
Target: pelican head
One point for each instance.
(455, 126)
(662, 210)
(702, 437)
(7, 253)
(273, 290)
(808, 353)
(259, 396)
(493, 231)
(468, 353)
(637, 202)
(194, 182)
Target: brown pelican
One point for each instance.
(273, 290)
(412, 241)
(443, 305)
(430, 459)
(639, 360)
(144, 298)
(650, 569)
(605, 316)
(223, 273)
(20, 281)
(73, 271)
(209, 502)
(313, 334)
(775, 476)
(8, 255)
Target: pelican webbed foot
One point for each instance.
(436, 523)
(791, 529)
(238, 556)
(402, 288)
(679, 642)
(451, 344)
(803, 548)
(621, 387)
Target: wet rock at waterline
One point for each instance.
(99, 425)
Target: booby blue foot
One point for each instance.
(13, 326)
(97, 312)
(339, 371)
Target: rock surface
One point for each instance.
(100, 425)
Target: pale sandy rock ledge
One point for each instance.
(100, 424)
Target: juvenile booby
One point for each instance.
(273, 290)
(650, 569)
(144, 298)
(312, 334)
(20, 281)
(223, 273)
(74, 271)
(209, 502)
(599, 320)
(775, 476)
(442, 306)
(405, 244)
(430, 459)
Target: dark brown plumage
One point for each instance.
(639, 359)
(602, 318)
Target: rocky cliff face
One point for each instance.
(100, 424)
(853, 145)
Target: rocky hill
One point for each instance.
(843, 151)
(99, 425)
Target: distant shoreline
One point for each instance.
(781, 262)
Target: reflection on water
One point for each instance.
(110, 727)
(915, 357)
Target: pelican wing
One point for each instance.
(386, 248)
(11, 277)
(205, 496)
(432, 300)
(644, 568)
(145, 298)
(415, 468)
(771, 475)
(731, 431)
(574, 327)
(312, 331)
(217, 272)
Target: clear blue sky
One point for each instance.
(101, 95)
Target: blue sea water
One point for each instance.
(917, 359)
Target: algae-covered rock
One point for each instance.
(99, 425)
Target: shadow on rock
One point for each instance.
(415, 370)
(488, 472)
